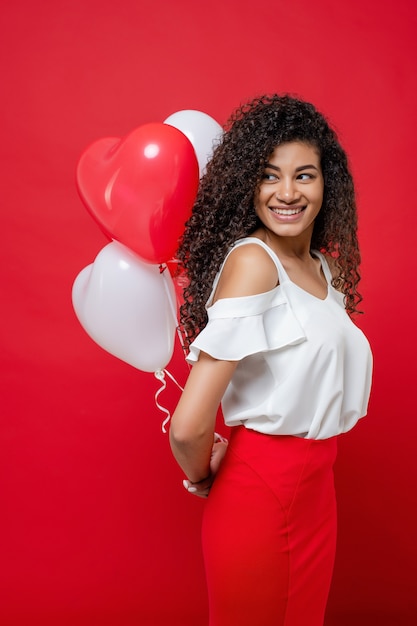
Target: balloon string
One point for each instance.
(160, 375)
(162, 268)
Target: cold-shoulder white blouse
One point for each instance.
(304, 367)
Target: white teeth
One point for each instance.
(286, 211)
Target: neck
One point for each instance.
(290, 247)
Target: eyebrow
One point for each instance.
(297, 169)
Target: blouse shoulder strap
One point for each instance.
(324, 264)
(243, 242)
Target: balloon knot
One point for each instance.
(159, 374)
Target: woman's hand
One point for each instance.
(217, 453)
(202, 488)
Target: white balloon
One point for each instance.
(202, 131)
(128, 307)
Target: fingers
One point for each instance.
(219, 448)
(218, 451)
(217, 454)
(195, 491)
(218, 438)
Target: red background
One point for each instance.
(95, 527)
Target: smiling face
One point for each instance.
(290, 194)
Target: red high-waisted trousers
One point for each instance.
(269, 531)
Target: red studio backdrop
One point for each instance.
(95, 527)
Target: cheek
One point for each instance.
(318, 196)
(261, 198)
(319, 199)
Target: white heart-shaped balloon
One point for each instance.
(128, 307)
(201, 130)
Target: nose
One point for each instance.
(287, 190)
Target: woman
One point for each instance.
(271, 257)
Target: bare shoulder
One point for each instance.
(249, 270)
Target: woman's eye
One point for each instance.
(305, 176)
(269, 177)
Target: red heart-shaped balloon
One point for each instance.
(141, 189)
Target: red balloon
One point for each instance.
(141, 189)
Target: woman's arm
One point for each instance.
(193, 423)
(248, 270)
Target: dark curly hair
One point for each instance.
(224, 208)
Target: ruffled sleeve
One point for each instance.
(239, 327)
